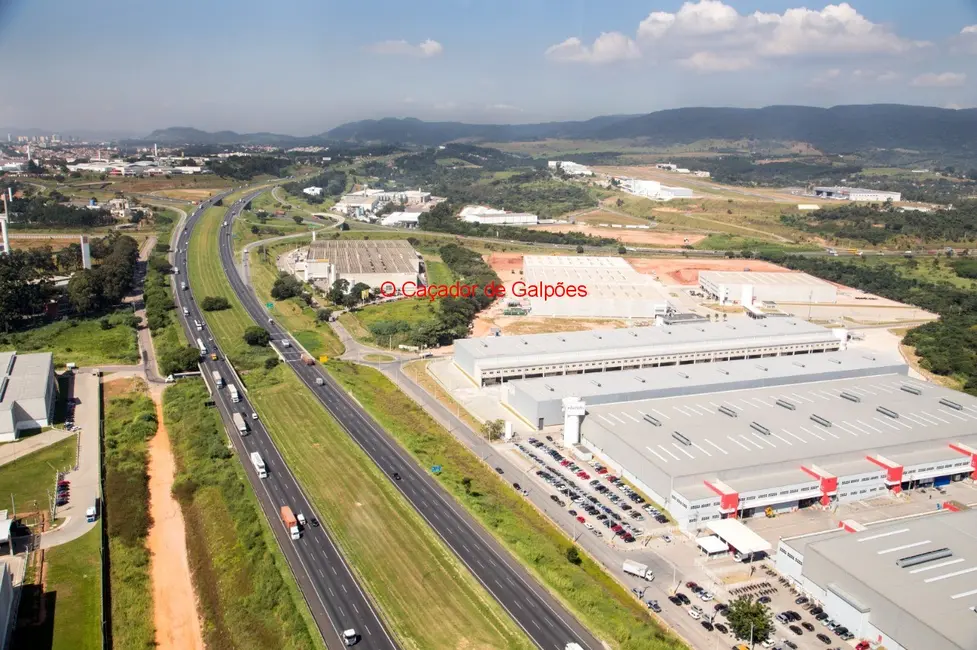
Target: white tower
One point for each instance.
(3, 227)
(574, 409)
(155, 152)
(86, 253)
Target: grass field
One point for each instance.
(397, 556)
(412, 311)
(600, 602)
(80, 340)
(273, 227)
(933, 270)
(247, 596)
(29, 478)
(294, 314)
(438, 273)
(129, 422)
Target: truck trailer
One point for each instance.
(218, 380)
(259, 464)
(290, 523)
(637, 569)
(202, 347)
(235, 396)
(240, 424)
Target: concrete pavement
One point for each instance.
(14, 450)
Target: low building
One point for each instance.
(903, 585)
(504, 219)
(750, 287)
(357, 205)
(401, 219)
(371, 262)
(653, 189)
(856, 194)
(27, 392)
(570, 168)
(312, 191)
(701, 174)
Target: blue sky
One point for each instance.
(303, 66)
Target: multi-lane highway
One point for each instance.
(334, 596)
(543, 619)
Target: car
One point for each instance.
(824, 638)
(769, 643)
(794, 616)
(581, 520)
(557, 499)
(763, 600)
(862, 645)
(796, 630)
(706, 624)
(841, 631)
(499, 470)
(694, 613)
(588, 525)
(722, 629)
(720, 607)
(654, 606)
(572, 513)
(516, 486)
(254, 416)
(690, 585)
(783, 618)
(801, 600)
(823, 616)
(314, 522)
(675, 600)
(807, 626)
(816, 610)
(396, 476)
(667, 539)
(597, 532)
(706, 596)
(685, 599)
(525, 493)
(790, 644)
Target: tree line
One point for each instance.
(41, 211)
(92, 290)
(332, 182)
(245, 168)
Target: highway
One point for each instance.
(544, 620)
(334, 596)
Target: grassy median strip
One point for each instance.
(598, 600)
(130, 421)
(428, 598)
(247, 595)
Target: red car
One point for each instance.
(584, 475)
(616, 528)
(862, 645)
(602, 470)
(581, 519)
(564, 462)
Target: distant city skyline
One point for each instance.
(107, 66)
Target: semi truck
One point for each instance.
(240, 424)
(202, 347)
(259, 464)
(235, 396)
(291, 524)
(218, 380)
(637, 569)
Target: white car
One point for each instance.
(254, 416)
(694, 613)
(667, 538)
(286, 344)
(186, 312)
(588, 525)
(769, 643)
(706, 596)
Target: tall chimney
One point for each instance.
(3, 227)
(86, 253)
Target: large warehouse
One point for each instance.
(735, 453)
(856, 194)
(614, 288)
(371, 262)
(749, 287)
(27, 392)
(904, 585)
(540, 401)
(496, 359)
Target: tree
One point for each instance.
(619, 202)
(255, 230)
(492, 429)
(621, 250)
(84, 292)
(573, 555)
(286, 286)
(158, 263)
(746, 617)
(579, 249)
(214, 303)
(256, 336)
(323, 315)
(355, 295)
(337, 293)
(297, 219)
(466, 482)
(178, 360)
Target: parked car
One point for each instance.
(825, 639)
(807, 626)
(796, 630)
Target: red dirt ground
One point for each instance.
(686, 271)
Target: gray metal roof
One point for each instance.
(927, 602)
(23, 377)
(726, 445)
(630, 341)
(711, 377)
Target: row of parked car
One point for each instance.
(790, 618)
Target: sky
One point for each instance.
(304, 66)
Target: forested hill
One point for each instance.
(838, 129)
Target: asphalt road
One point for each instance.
(334, 596)
(543, 619)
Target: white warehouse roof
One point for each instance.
(739, 536)
(762, 278)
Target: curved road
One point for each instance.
(543, 619)
(327, 583)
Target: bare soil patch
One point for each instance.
(685, 272)
(628, 236)
(121, 386)
(188, 194)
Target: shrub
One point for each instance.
(105, 324)
(271, 363)
(256, 336)
(323, 315)
(286, 286)
(214, 303)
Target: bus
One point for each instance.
(202, 346)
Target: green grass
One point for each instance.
(273, 227)
(596, 598)
(924, 270)
(80, 340)
(30, 477)
(247, 596)
(294, 314)
(439, 273)
(130, 420)
(397, 556)
(412, 311)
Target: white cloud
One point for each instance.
(875, 75)
(966, 40)
(940, 80)
(608, 48)
(969, 29)
(504, 108)
(424, 49)
(710, 35)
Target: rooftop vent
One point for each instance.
(923, 558)
(889, 412)
(787, 405)
(652, 420)
(683, 375)
(725, 410)
(799, 364)
(723, 370)
(837, 361)
(851, 397)
(824, 422)
(678, 436)
(641, 379)
(595, 383)
(548, 387)
(951, 404)
(763, 368)
(756, 426)
(911, 389)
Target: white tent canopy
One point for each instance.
(712, 544)
(738, 536)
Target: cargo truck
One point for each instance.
(218, 380)
(240, 424)
(235, 396)
(259, 464)
(291, 524)
(202, 347)
(637, 569)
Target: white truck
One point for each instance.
(240, 424)
(637, 569)
(235, 396)
(183, 286)
(573, 646)
(202, 347)
(218, 380)
(259, 464)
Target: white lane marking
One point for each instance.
(661, 414)
(903, 547)
(938, 565)
(881, 535)
(951, 575)
(668, 452)
(630, 417)
(794, 435)
(660, 457)
(750, 440)
(784, 440)
(841, 426)
(715, 445)
(683, 450)
(702, 450)
(824, 430)
(732, 439)
(676, 408)
(808, 431)
(731, 405)
(616, 418)
(605, 419)
(802, 398)
(762, 438)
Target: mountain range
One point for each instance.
(839, 129)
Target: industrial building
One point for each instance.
(902, 585)
(401, 219)
(497, 359)
(487, 215)
(540, 401)
(371, 262)
(27, 392)
(856, 194)
(749, 287)
(570, 168)
(736, 453)
(654, 189)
